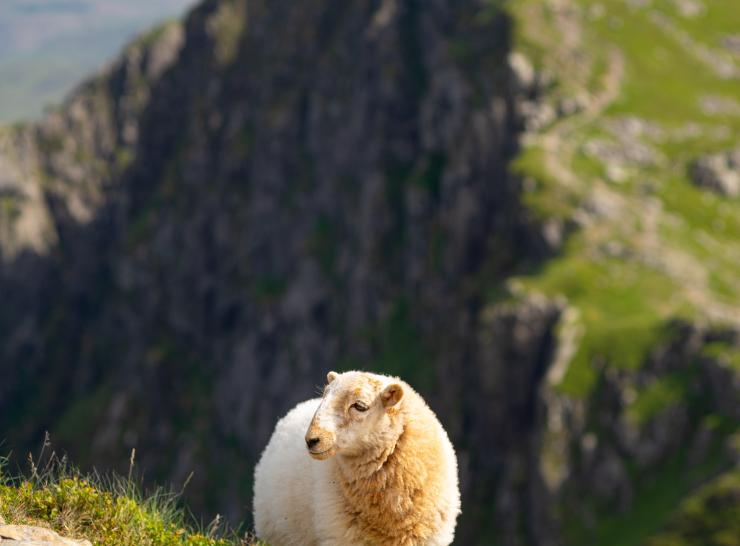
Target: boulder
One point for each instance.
(25, 535)
(719, 173)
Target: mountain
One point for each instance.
(48, 46)
(525, 209)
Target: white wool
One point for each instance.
(298, 500)
(284, 482)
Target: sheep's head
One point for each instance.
(357, 413)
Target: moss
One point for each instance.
(268, 289)
(411, 51)
(243, 142)
(151, 37)
(397, 176)
(460, 50)
(544, 195)
(324, 244)
(399, 348)
(226, 27)
(142, 225)
(439, 239)
(9, 208)
(431, 177)
(123, 158)
(657, 496)
(710, 517)
(663, 393)
(51, 144)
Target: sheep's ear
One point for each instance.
(391, 395)
(331, 376)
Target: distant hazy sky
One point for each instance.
(47, 46)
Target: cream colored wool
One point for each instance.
(367, 464)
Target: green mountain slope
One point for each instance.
(630, 95)
(649, 246)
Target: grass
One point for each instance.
(622, 307)
(724, 352)
(664, 392)
(106, 511)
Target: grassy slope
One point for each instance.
(648, 246)
(651, 246)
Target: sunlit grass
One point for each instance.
(106, 510)
(680, 243)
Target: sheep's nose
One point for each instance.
(310, 442)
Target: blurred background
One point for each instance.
(529, 210)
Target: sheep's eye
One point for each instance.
(359, 406)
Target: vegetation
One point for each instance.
(710, 517)
(648, 246)
(636, 91)
(227, 26)
(104, 510)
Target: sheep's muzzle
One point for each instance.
(320, 443)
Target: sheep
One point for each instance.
(366, 464)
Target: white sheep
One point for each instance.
(381, 470)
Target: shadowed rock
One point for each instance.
(719, 173)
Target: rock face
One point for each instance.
(24, 535)
(719, 173)
(244, 203)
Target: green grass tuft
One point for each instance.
(107, 511)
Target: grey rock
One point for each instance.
(525, 76)
(719, 173)
(732, 43)
(610, 480)
(717, 105)
(724, 382)
(26, 535)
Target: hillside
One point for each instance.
(526, 209)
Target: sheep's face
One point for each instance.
(355, 415)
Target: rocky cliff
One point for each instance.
(272, 190)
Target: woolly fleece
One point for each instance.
(392, 479)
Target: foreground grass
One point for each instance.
(105, 511)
